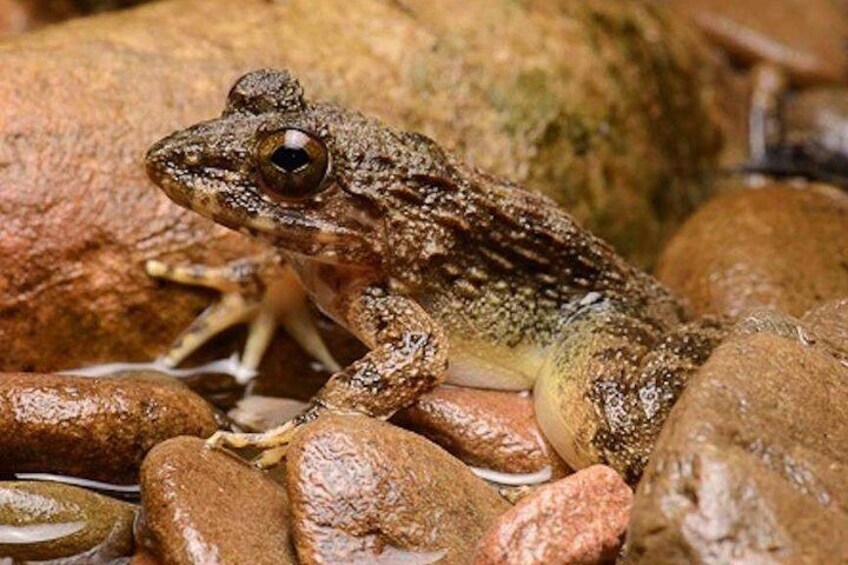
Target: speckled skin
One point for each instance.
(436, 265)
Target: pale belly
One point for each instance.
(484, 365)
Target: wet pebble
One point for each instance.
(579, 519)
(776, 246)
(491, 430)
(43, 521)
(206, 506)
(93, 428)
(365, 491)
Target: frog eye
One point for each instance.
(292, 163)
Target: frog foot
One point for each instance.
(272, 444)
(257, 292)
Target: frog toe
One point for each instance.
(259, 293)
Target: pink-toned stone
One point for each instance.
(485, 428)
(579, 519)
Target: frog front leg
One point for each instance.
(408, 357)
(259, 292)
(609, 383)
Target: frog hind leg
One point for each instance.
(253, 291)
(407, 357)
(608, 384)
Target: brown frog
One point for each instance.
(443, 271)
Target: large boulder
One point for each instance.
(607, 106)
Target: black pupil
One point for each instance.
(290, 159)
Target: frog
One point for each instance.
(446, 273)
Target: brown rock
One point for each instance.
(572, 85)
(830, 321)
(751, 465)
(14, 18)
(485, 428)
(144, 558)
(98, 429)
(206, 506)
(778, 246)
(62, 521)
(807, 38)
(579, 519)
(363, 490)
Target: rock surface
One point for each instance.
(14, 18)
(777, 246)
(365, 491)
(97, 429)
(807, 38)
(751, 465)
(830, 321)
(579, 519)
(485, 428)
(62, 521)
(570, 104)
(205, 506)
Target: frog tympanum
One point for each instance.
(443, 271)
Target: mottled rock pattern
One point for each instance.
(579, 519)
(776, 246)
(62, 521)
(606, 106)
(205, 506)
(364, 490)
(751, 465)
(807, 38)
(98, 429)
(485, 428)
(830, 321)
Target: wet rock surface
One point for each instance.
(807, 38)
(78, 218)
(579, 519)
(205, 506)
(364, 490)
(776, 246)
(44, 521)
(486, 429)
(96, 429)
(751, 465)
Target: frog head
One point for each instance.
(313, 179)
